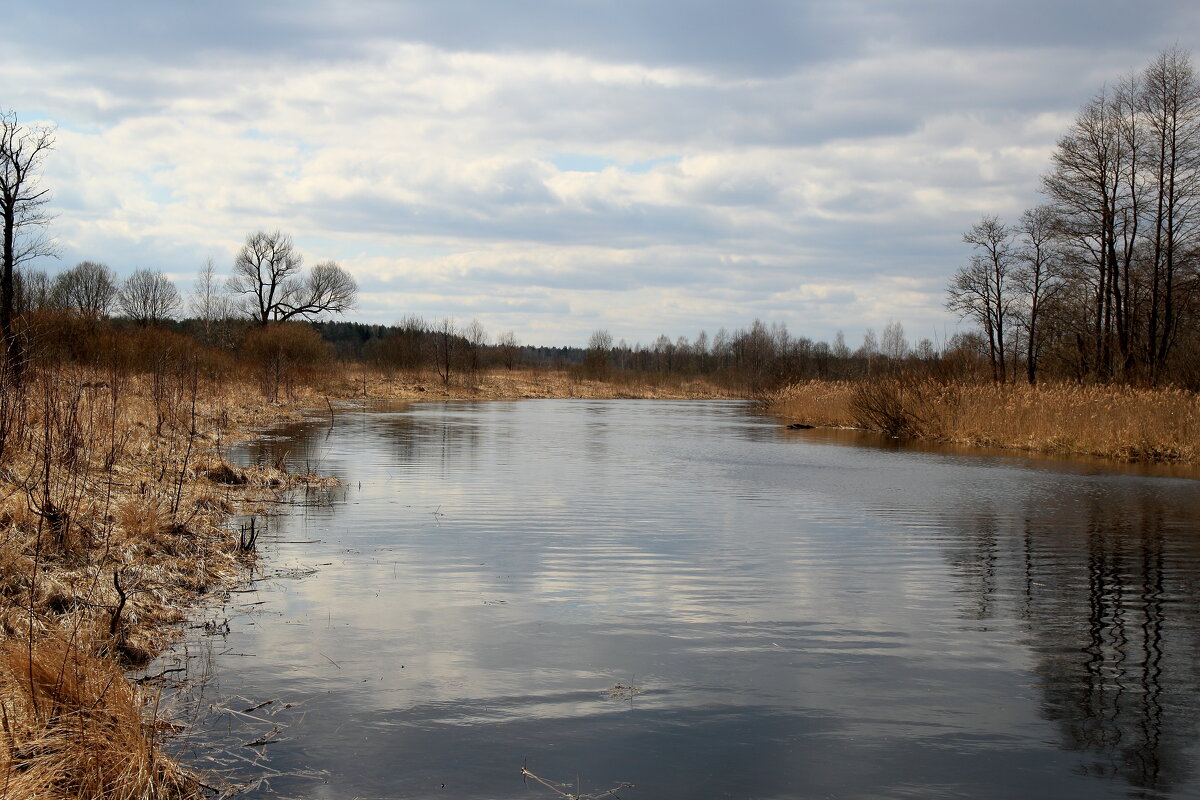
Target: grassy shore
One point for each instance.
(1129, 424)
(517, 384)
(114, 510)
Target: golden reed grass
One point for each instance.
(1119, 422)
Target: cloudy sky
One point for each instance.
(553, 167)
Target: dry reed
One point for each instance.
(114, 498)
(349, 381)
(1120, 422)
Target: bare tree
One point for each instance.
(839, 349)
(209, 300)
(894, 344)
(983, 290)
(1170, 102)
(88, 288)
(869, 349)
(32, 290)
(1097, 193)
(267, 272)
(445, 341)
(475, 338)
(509, 349)
(148, 297)
(1038, 277)
(211, 304)
(595, 360)
(22, 207)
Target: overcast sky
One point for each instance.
(552, 167)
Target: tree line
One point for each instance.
(268, 283)
(1101, 281)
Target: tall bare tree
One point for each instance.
(1097, 189)
(983, 290)
(148, 297)
(445, 346)
(475, 338)
(211, 304)
(22, 209)
(1038, 277)
(1109, 269)
(32, 290)
(1170, 100)
(894, 344)
(509, 349)
(267, 272)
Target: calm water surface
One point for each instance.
(689, 598)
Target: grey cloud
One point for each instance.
(757, 38)
(1086, 24)
(599, 223)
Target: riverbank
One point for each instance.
(517, 384)
(1123, 423)
(115, 503)
(115, 508)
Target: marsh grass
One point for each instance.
(114, 504)
(1119, 422)
(73, 726)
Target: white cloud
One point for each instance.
(422, 155)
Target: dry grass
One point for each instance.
(1069, 419)
(357, 381)
(74, 727)
(114, 503)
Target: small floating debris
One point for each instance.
(294, 573)
(622, 692)
(270, 737)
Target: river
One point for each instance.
(689, 598)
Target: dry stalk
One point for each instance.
(556, 788)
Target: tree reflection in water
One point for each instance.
(1108, 590)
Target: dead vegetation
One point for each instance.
(114, 509)
(357, 380)
(1119, 422)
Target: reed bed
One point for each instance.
(1118, 422)
(114, 504)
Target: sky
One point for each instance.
(555, 167)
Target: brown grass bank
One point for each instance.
(1125, 423)
(356, 380)
(114, 504)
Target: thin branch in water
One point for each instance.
(527, 774)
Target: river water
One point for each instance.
(689, 598)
